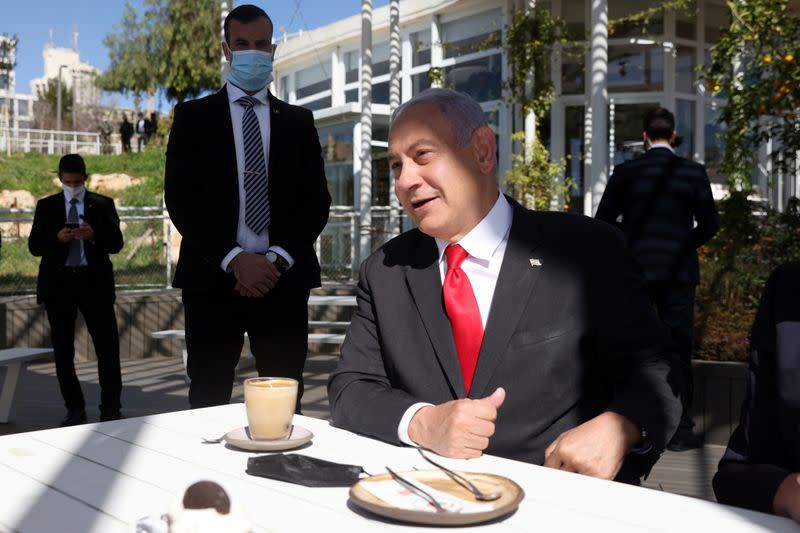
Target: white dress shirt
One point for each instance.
(80, 207)
(486, 246)
(248, 240)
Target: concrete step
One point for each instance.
(334, 289)
(326, 338)
(331, 308)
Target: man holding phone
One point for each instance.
(73, 232)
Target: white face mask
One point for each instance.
(72, 192)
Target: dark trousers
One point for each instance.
(674, 302)
(277, 326)
(77, 293)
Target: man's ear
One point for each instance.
(485, 146)
(227, 51)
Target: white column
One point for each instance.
(597, 162)
(365, 185)
(394, 102)
(406, 60)
(437, 52)
(337, 77)
(530, 116)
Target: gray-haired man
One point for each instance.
(495, 329)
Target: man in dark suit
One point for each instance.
(761, 467)
(495, 329)
(73, 232)
(245, 186)
(655, 201)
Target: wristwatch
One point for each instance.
(280, 263)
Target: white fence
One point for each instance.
(55, 142)
(152, 246)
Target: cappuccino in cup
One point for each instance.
(270, 406)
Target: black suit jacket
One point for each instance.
(567, 339)
(765, 448)
(659, 196)
(49, 218)
(201, 190)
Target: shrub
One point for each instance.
(753, 240)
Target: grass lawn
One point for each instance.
(141, 261)
(35, 172)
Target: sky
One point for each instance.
(31, 21)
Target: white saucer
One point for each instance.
(240, 438)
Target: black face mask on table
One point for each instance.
(303, 470)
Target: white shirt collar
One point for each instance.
(482, 240)
(234, 93)
(661, 145)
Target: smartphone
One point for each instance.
(71, 225)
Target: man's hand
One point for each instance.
(787, 498)
(255, 276)
(65, 235)
(460, 428)
(85, 233)
(595, 448)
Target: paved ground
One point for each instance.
(158, 385)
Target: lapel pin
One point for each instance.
(535, 262)
(276, 111)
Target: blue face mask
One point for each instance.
(251, 70)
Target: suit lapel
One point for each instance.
(227, 153)
(425, 284)
(511, 296)
(275, 141)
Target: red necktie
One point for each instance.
(463, 312)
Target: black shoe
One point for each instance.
(685, 441)
(108, 416)
(74, 417)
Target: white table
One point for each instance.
(103, 477)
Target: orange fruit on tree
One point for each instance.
(762, 109)
(767, 59)
(788, 58)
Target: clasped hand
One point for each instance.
(255, 276)
(84, 232)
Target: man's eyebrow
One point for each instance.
(422, 142)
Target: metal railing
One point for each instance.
(152, 245)
(50, 141)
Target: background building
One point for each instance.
(75, 75)
(320, 70)
(16, 109)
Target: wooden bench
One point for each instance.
(15, 359)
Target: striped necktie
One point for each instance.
(74, 255)
(256, 206)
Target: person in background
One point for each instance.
(761, 466)
(246, 188)
(141, 132)
(74, 232)
(655, 200)
(495, 329)
(125, 134)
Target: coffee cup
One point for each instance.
(270, 404)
